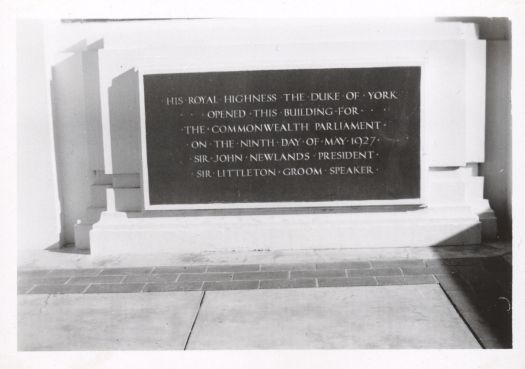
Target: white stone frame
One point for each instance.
(421, 201)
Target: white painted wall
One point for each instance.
(38, 206)
(497, 168)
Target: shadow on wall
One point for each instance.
(124, 118)
(73, 128)
(497, 168)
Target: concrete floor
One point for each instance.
(410, 316)
(70, 257)
(391, 317)
(61, 305)
(153, 321)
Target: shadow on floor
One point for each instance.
(481, 291)
(67, 249)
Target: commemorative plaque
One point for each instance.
(274, 136)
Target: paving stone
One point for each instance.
(471, 269)
(443, 269)
(287, 283)
(431, 263)
(126, 271)
(465, 302)
(166, 287)
(344, 265)
(505, 283)
(230, 285)
(115, 288)
(398, 263)
(234, 268)
(496, 264)
(26, 274)
(451, 262)
(46, 280)
(492, 288)
(481, 328)
(57, 288)
(420, 279)
(493, 312)
(74, 272)
(390, 280)
(180, 269)
(99, 279)
(286, 267)
(203, 277)
(499, 305)
(409, 279)
(504, 277)
(494, 343)
(151, 278)
(347, 282)
(105, 321)
(479, 279)
(23, 288)
(462, 261)
(317, 273)
(260, 275)
(372, 272)
(390, 317)
(452, 282)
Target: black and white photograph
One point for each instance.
(276, 185)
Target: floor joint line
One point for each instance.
(465, 321)
(194, 320)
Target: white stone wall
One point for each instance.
(38, 204)
(86, 58)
